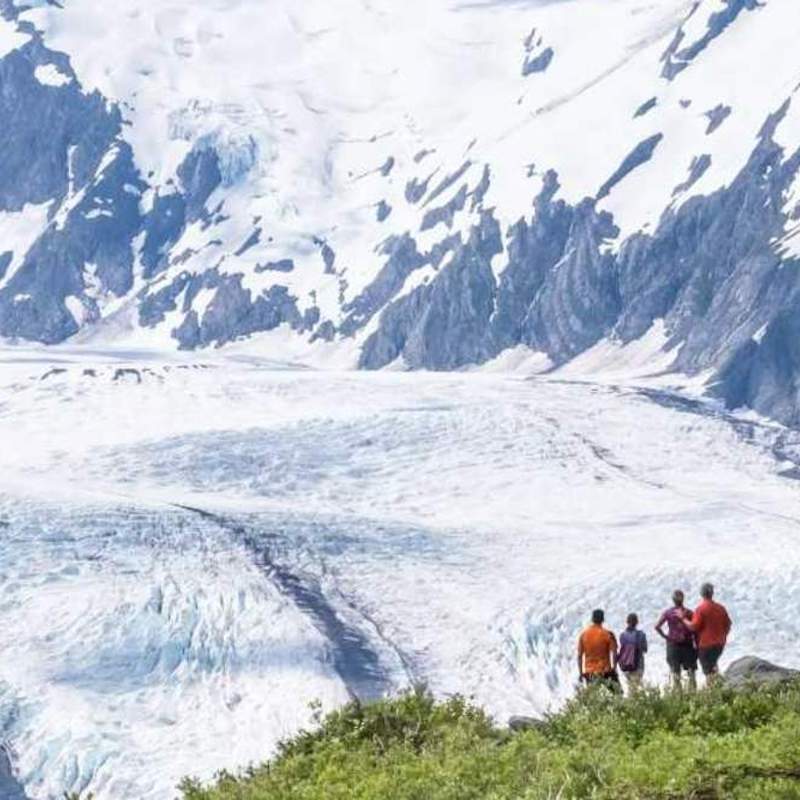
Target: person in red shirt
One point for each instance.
(597, 653)
(711, 626)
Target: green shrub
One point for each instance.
(657, 746)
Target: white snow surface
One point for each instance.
(10, 37)
(51, 75)
(18, 231)
(464, 525)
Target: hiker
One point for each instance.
(711, 625)
(681, 652)
(597, 653)
(632, 647)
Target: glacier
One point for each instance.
(195, 550)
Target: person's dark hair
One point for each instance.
(598, 616)
(633, 620)
(707, 590)
(678, 597)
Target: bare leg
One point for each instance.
(675, 681)
(692, 680)
(634, 682)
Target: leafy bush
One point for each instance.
(717, 744)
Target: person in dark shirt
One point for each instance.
(632, 649)
(681, 650)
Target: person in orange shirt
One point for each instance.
(597, 653)
(711, 625)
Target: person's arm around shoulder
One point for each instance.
(693, 620)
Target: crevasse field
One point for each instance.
(195, 548)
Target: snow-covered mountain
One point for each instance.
(425, 184)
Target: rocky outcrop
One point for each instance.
(682, 51)
(519, 724)
(443, 324)
(754, 671)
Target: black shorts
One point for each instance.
(681, 656)
(709, 658)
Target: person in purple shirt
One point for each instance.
(632, 650)
(681, 649)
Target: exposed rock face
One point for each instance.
(61, 147)
(710, 270)
(538, 56)
(443, 324)
(750, 670)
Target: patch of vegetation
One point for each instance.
(718, 744)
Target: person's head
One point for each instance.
(677, 598)
(707, 591)
(598, 616)
(633, 620)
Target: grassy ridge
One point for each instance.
(718, 744)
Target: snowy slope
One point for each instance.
(427, 184)
(195, 549)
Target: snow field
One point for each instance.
(463, 526)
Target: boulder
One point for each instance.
(751, 670)
(518, 724)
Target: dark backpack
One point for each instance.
(630, 652)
